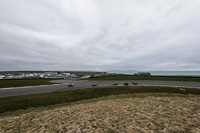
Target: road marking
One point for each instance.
(23, 87)
(27, 86)
(7, 88)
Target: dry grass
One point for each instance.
(124, 113)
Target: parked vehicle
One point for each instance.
(135, 83)
(94, 84)
(115, 83)
(70, 85)
(125, 83)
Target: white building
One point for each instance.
(19, 76)
(66, 74)
(10, 77)
(29, 75)
(2, 76)
(41, 75)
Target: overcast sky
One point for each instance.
(100, 35)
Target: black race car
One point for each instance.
(115, 83)
(70, 85)
(94, 84)
(125, 83)
(135, 83)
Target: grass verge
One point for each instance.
(14, 103)
(156, 78)
(24, 82)
(137, 112)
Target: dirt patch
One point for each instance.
(147, 114)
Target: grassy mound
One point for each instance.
(152, 112)
(14, 103)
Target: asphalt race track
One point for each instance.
(63, 85)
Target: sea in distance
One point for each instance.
(161, 73)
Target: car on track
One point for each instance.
(70, 85)
(135, 83)
(94, 84)
(126, 84)
(115, 83)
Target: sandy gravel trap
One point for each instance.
(115, 114)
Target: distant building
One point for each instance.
(18, 76)
(2, 76)
(88, 76)
(10, 77)
(66, 74)
(60, 72)
(142, 74)
(49, 74)
(41, 75)
(71, 77)
(29, 75)
(92, 76)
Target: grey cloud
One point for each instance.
(99, 35)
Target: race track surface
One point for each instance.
(61, 85)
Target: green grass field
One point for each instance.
(25, 82)
(158, 78)
(14, 103)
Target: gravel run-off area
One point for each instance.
(125, 113)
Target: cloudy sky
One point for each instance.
(100, 35)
